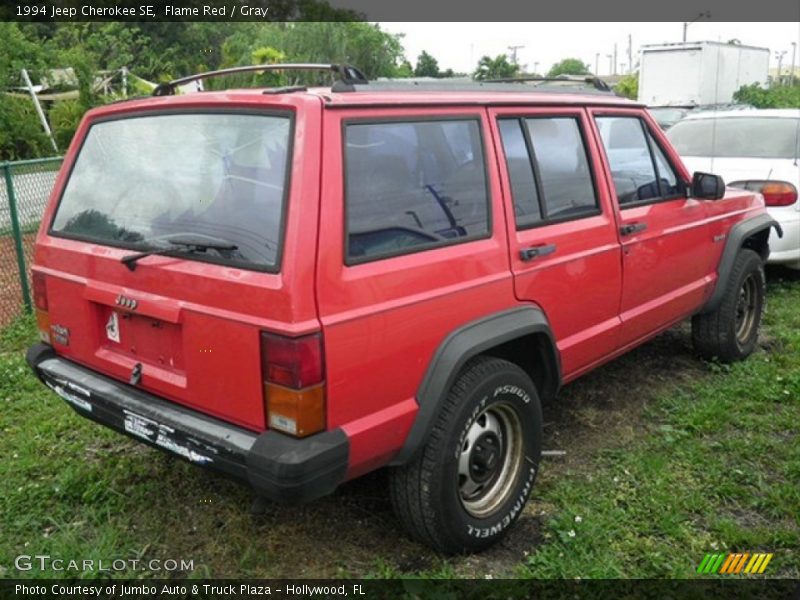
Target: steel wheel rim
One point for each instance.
(746, 309)
(489, 460)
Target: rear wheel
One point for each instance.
(730, 332)
(471, 480)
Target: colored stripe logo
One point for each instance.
(735, 563)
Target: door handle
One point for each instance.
(536, 251)
(632, 228)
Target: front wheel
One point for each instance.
(730, 332)
(471, 480)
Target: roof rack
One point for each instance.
(459, 85)
(595, 82)
(348, 74)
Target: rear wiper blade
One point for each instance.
(180, 244)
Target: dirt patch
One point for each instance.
(605, 407)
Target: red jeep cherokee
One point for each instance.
(297, 286)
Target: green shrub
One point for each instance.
(628, 86)
(65, 116)
(779, 96)
(21, 133)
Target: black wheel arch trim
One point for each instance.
(737, 236)
(464, 343)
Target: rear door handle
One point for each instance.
(632, 228)
(536, 251)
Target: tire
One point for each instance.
(468, 484)
(730, 332)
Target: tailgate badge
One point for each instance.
(126, 302)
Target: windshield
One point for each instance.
(140, 180)
(736, 137)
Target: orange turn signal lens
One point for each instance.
(43, 324)
(296, 412)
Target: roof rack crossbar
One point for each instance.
(346, 73)
(595, 82)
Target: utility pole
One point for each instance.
(597, 63)
(514, 53)
(630, 54)
(794, 49)
(536, 67)
(609, 57)
(686, 24)
(615, 58)
(779, 56)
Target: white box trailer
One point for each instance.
(699, 73)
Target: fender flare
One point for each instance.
(455, 350)
(736, 237)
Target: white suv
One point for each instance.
(756, 149)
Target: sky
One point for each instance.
(459, 46)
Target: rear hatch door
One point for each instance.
(205, 190)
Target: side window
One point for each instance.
(520, 172)
(563, 167)
(410, 186)
(548, 168)
(667, 178)
(639, 168)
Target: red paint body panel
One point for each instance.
(586, 257)
(383, 320)
(196, 327)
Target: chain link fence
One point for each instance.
(25, 187)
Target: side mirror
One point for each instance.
(707, 186)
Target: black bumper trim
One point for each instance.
(278, 467)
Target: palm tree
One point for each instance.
(495, 68)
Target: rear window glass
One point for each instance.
(411, 186)
(219, 177)
(731, 137)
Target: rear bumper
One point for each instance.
(278, 467)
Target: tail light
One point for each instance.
(294, 383)
(40, 302)
(776, 193)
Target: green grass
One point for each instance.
(667, 458)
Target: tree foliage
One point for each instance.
(166, 50)
(628, 86)
(498, 67)
(779, 96)
(427, 66)
(568, 66)
(21, 134)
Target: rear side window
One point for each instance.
(410, 186)
(548, 168)
(640, 170)
(520, 172)
(731, 137)
(219, 177)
